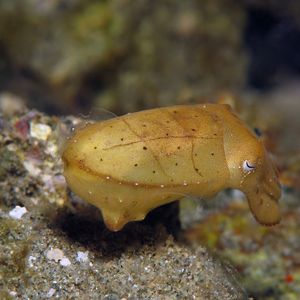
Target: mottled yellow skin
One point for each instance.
(131, 164)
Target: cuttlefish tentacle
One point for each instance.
(264, 204)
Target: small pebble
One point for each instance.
(50, 293)
(58, 256)
(51, 149)
(18, 212)
(82, 256)
(40, 131)
(33, 170)
(65, 262)
(55, 254)
(30, 260)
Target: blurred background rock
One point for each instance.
(68, 56)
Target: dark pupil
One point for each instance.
(249, 166)
(258, 132)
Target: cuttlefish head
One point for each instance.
(255, 174)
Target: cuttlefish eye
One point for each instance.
(247, 166)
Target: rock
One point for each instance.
(40, 131)
(82, 257)
(17, 212)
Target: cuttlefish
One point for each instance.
(131, 164)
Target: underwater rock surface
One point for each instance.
(54, 247)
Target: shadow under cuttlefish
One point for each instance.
(83, 224)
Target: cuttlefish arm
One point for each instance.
(252, 170)
(263, 199)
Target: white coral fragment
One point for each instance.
(18, 212)
(40, 131)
